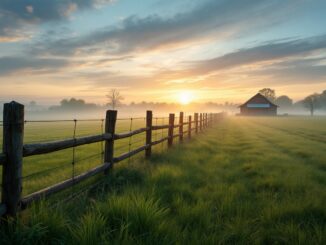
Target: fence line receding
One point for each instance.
(14, 149)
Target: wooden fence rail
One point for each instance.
(14, 150)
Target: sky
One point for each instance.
(161, 51)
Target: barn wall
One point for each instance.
(272, 111)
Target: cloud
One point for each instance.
(211, 19)
(9, 65)
(306, 70)
(266, 52)
(15, 15)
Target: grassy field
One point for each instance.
(245, 181)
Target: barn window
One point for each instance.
(258, 105)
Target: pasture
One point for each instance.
(244, 181)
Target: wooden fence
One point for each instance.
(14, 150)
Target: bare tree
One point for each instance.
(268, 93)
(114, 98)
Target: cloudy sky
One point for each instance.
(154, 50)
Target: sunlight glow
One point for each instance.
(185, 97)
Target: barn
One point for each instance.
(258, 105)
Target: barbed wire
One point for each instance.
(128, 118)
(137, 141)
(44, 171)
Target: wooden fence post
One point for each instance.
(13, 136)
(196, 122)
(206, 120)
(201, 121)
(149, 123)
(110, 121)
(189, 127)
(171, 127)
(203, 125)
(181, 127)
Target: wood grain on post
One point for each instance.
(110, 121)
(201, 121)
(13, 134)
(48, 147)
(196, 122)
(189, 127)
(171, 127)
(149, 124)
(206, 120)
(181, 127)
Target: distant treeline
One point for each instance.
(311, 103)
(81, 105)
(73, 105)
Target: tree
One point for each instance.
(73, 105)
(312, 103)
(268, 93)
(322, 99)
(284, 101)
(114, 98)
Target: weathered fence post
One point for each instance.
(201, 121)
(110, 121)
(189, 127)
(181, 127)
(196, 122)
(203, 118)
(171, 127)
(149, 123)
(13, 134)
(206, 120)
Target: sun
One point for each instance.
(185, 97)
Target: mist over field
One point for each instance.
(85, 110)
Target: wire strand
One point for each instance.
(130, 128)
(74, 150)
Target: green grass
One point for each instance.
(245, 181)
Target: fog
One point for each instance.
(68, 109)
(40, 112)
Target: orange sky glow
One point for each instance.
(162, 52)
